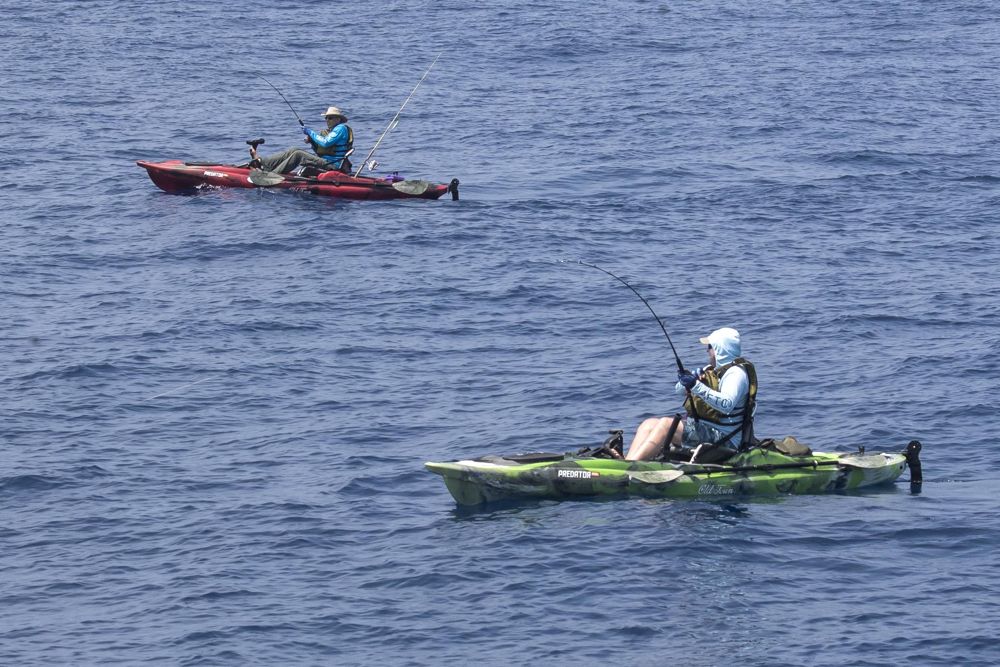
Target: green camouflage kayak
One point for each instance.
(758, 471)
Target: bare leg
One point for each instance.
(642, 432)
(653, 434)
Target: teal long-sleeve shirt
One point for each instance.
(332, 145)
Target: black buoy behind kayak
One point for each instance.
(912, 454)
(453, 189)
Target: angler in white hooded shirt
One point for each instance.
(718, 397)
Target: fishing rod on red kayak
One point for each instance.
(282, 97)
(395, 119)
(680, 365)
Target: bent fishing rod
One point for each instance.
(395, 119)
(283, 97)
(680, 365)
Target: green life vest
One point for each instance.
(335, 151)
(712, 377)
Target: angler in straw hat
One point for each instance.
(332, 146)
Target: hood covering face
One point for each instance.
(726, 343)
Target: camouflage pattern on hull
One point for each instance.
(756, 472)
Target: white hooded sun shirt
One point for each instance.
(734, 385)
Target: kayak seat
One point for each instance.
(788, 446)
(708, 452)
(676, 454)
(311, 171)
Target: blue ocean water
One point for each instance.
(217, 407)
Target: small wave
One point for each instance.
(88, 471)
(212, 596)
(75, 371)
(637, 631)
(208, 252)
(363, 488)
(63, 586)
(263, 325)
(866, 157)
(984, 178)
(29, 483)
(202, 636)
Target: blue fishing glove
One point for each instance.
(305, 130)
(687, 378)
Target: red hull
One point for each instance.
(179, 177)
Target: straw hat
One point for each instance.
(335, 111)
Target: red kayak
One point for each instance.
(184, 177)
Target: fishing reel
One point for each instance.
(254, 143)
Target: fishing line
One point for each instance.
(214, 375)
